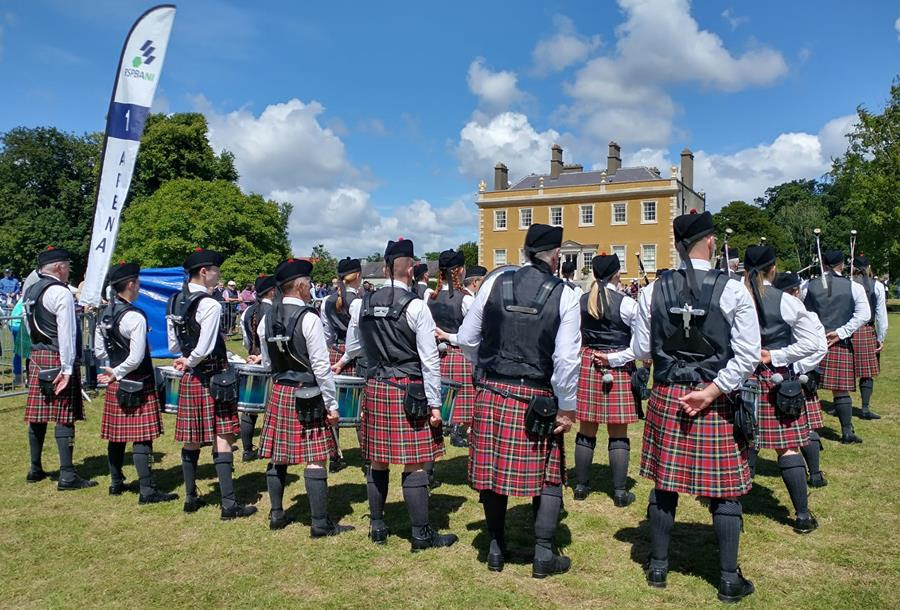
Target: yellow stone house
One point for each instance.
(627, 211)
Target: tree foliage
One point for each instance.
(750, 223)
(470, 250)
(324, 265)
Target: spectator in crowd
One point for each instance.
(248, 297)
(9, 288)
(232, 301)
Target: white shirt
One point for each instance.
(315, 346)
(628, 312)
(467, 301)
(418, 316)
(59, 301)
(566, 351)
(805, 334)
(207, 314)
(248, 340)
(809, 363)
(330, 333)
(133, 328)
(881, 317)
(861, 310)
(736, 305)
(576, 287)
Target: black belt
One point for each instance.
(522, 381)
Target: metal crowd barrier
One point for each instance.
(13, 355)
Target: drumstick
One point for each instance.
(337, 444)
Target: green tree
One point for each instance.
(432, 256)
(324, 265)
(176, 146)
(375, 257)
(749, 224)
(47, 188)
(160, 230)
(470, 250)
(798, 207)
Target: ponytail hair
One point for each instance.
(455, 274)
(595, 306)
(342, 289)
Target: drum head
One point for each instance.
(243, 367)
(349, 380)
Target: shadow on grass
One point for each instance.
(761, 501)
(453, 471)
(440, 507)
(693, 549)
(519, 535)
(600, 479)
(340, 503)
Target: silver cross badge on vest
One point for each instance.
(687, 312)
(279, 340)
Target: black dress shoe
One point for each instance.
(623, 499)
(34, 476)
(278, 523)
(337, 465)
(806, 525)
(432, 539)
(581, 492)
(557, 564)
(379, 535)
(237, 511)
(156, 497)
(117, 489)
(250, 456)
(817, 479)
(332, 529)
(733, 591)
(76, 483)
(656, 577)
(495, 562)
(867, 414)
(433, 483)
(193, 503)
(850, 439)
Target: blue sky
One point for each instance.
(379, 119)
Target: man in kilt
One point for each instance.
(807, 369)
(522, 333)
(204, 418)
(401, 423)
(264, 286)
(130, 414)
(448, 305)
(701, 331)
(605, 393)
(302, 409)
(788, 336)
(868, 340)
(55, 346)
(474, 276)
(420, 274)
(842, 308)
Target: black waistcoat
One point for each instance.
(290, 358)
(181, 309)
(117, 346)
(775, 332)
(339, 320)
(609, 331)
(388, 341)
(833, 304)
(447, 310)
(42, 327)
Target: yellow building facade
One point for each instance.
(626, 211)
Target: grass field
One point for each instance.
(89, 549)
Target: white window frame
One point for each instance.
(505, 259)
(581, 208)
(624, 260)
(561, 216)
(522, 224)
(612, 213)
(505, 220)
(644, 220)
(647, 268)
(586, 258)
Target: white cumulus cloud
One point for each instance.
(495, 90)
(507, 137)
(564, 48)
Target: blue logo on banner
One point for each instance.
(126, 121)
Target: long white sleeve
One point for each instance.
(861, 312)
(59, 301)
(803, 332)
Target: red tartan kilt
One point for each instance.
(693, 455)
(200, 419)
(837, 369)
(504, 458)
(774, 430)
(138, 425)
(65, 408)
(813, 411)
(285, 439)
(456, 367)
(389, 436)
(865, 358)
(335, 352)
(605, 403)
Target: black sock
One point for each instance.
(584, 457)
(619, 450)
(415, 495)
(36, 435)
(844, 407)
(115, 453)
(727, 522)
(316, 480)
(189, 459)
(429, 470)
(661, 515)
(140, 454)
(495, 515)
(276, 476)
(866, 385)
(811, 452)
(224, 462)
(546, 520)
(752, 454)
(377, 489)
(248, 425)
(793, 473)
(65, 443)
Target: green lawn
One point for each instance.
(89, 549)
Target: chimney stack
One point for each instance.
(614, 160)
(687, 168)
(501, 177)
(556, 162)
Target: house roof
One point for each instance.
(623, 174)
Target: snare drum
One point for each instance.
(254, 386)
(349, 394)
(449, 388)
(170, 380)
